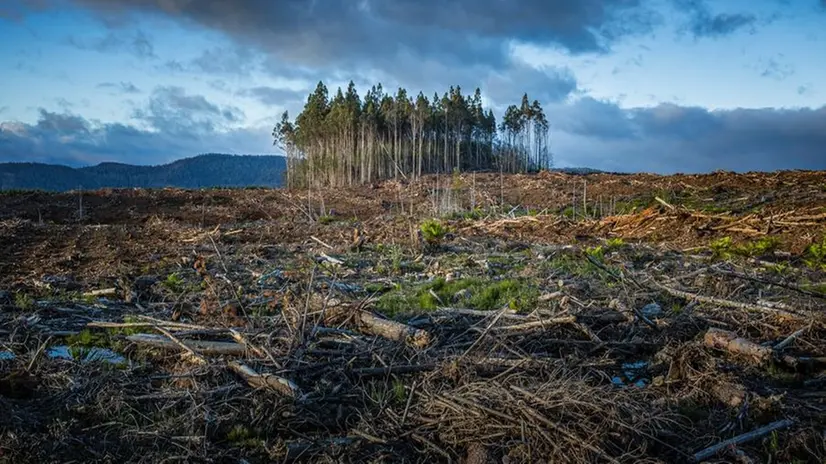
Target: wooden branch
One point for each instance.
(202, 346)
(744, 438)
(407, 369)
(722, 302)
(393, 330)
(788, 340)
(536, 324)
(101, 292)
(191, 354)
(268, 381)
(729, 341)
(320, 242)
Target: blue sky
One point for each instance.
(631, 85)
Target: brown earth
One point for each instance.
(577, 367)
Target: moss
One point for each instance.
(474, 293)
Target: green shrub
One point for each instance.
(433, 231)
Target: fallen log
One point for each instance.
(393, 330)
(201, 346)
(729, 341)
(740, 439)
(723, 302)
(268, 381)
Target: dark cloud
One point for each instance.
(272, 96)
(703, 23)
(172, 110)
(69, 139)
(138, 44)
(462, 31)
(669, 138)
(120, 87)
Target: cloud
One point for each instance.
(670, 138)
(65, 138)
(138, 44)
(703, 23)
(173, 111)
(335, 32)
(271, 96)
(120, 87)
(775, 69)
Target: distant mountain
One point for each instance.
(211, 170)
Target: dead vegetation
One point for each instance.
(501, 334)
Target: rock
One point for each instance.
(652, 310)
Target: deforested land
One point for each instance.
(487, 317)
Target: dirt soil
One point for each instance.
(538, 318)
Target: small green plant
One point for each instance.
(399, 394)
(721, 248)
(724, 248)
(433, 231)
(87, 339)
(614, 243)
(761, 247)
(778, 268)
(815, 256)
(23, 300)
(326, 219)
(597, 253)
(470, 293)
(173, 282)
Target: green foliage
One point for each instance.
(399, 394)
(88, 339)
(760, 247)
(815, 256)
(470, 215)
(725, 248)
(461, 134)
(474, 293)
(614, 243)
(721, 248)
(597, 253)
(433, 231)
(326, 219)
(242, 436)
(174, 283)
(23, 300)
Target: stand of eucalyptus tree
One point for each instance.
(347, 140)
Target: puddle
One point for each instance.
(86, 355)
(633, 374)
(6, 355)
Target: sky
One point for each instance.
(660, 86)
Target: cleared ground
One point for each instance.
(547, 317)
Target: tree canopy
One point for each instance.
(347, 140)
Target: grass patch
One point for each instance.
(474, 293)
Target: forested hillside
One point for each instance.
(212, 170)
(346, 140)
